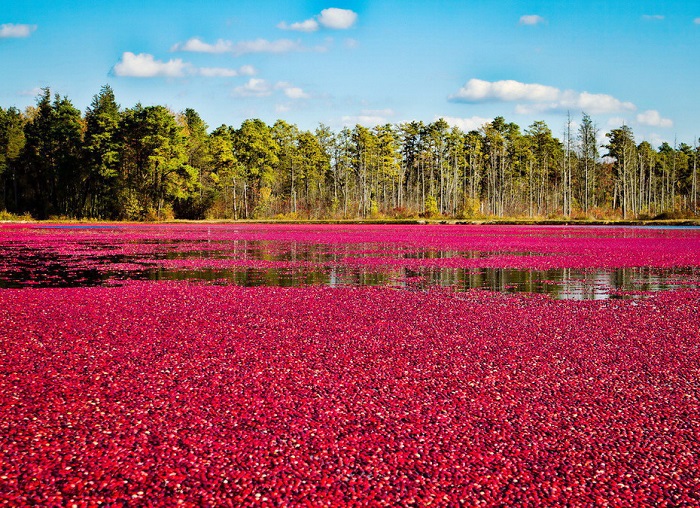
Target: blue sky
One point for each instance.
(368, 62)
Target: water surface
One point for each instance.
(573, 262)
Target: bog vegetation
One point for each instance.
(149, 163)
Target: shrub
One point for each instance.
(8, 216)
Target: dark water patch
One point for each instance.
(557, 283)
(92, 262)
(565, 283)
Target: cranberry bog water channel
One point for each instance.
(326, 365)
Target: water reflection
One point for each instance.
(300, 264)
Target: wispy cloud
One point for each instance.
(310, 25)
(13, 31)
(531, 19)
(293, 92)
(247, 70)
(653, 118)
(282, 108)
(466, 124)
(538, 98)
(369, 117)
(478, 90)
(30, 93)
(653, 17)
(266, 46)
(696, 21)
(332, 18)
(256, 87)
(196, 45)
(224, 72)
(616, 121)
(657, 139)
(144, 65)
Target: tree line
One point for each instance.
(149, 163)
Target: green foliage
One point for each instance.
(472, 208)
(101, 155)
(256, 151)
(12, 141)
(148, 163)
(50, 170)
(431, 206)
(373, 208)
(264, 204)
(154, 160)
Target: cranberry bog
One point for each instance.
(326, 365)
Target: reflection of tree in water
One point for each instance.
(265, 262)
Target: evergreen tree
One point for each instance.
(256, 150)
(51, 179)
(101, 155)
(12, 141)
(195, 204)
(153, 163)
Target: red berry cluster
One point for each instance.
(167, 393)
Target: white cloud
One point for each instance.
(616, 122)
(337, 19)
(369, 118)
(197, 45)
(282, 108)
(594, 103)
(531, 19)
(144, 65)
(466, 124)
(351, 43)
(291, 91)
(364, 120)
(653, 17)
(332, 18)
(539, 98)
(478, 90)
(217, 72)
(223, 72)
(247, 70)
(696, 21)
(657, 140)
(310, 25)
(653, 118)
(294, 92)
(10, 30)
(254, 88)
(265, 46)
(600, 137)
(532, 109)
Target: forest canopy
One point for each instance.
(150, 163)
